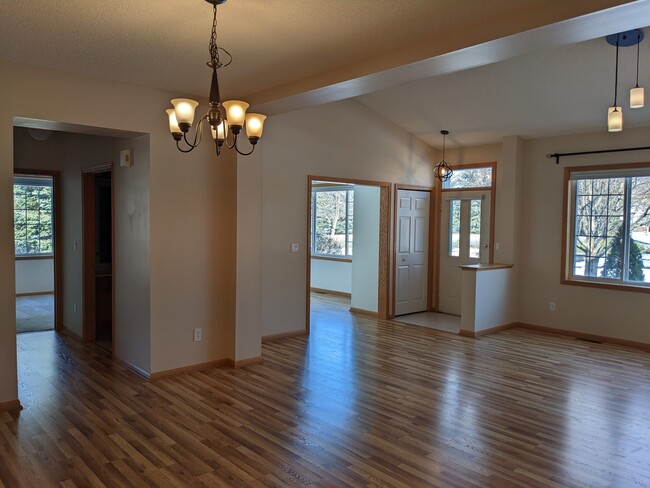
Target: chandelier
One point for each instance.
(443, 170)
(226, 119)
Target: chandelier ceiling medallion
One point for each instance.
(443, 170)
(226, 119)
(615, 112)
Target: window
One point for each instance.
(33, 233)
(332, 221)
(480, 177)
(609, 225)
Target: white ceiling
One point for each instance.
(163, 43)
(546, 93)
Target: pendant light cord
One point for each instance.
(444, 136)
(638, 47)
(616, 75)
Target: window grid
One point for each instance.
(33, 220)
(611, 229)
(328, 245)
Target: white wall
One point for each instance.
(365, 248)
(340, 140)
(34, 276)
(331, 275)
(620, 314)
(192, 209)
(488, 299)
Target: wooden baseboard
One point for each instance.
(582, 335)
(67, 332)
(283, 335)
(245, 362)
(36, 293)
(133, 368)
(218, 363)
(367, 313)
(331, 292)
(10, 406)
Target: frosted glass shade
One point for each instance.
(235, 112)
(255, 125)
(615, 119)
(219, 134)
(173, 123)
(637, 97)
(184, 108)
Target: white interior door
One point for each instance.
(412, 252)
(464, 239)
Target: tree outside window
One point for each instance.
(332, 221)
(611, 241)
(33, 205)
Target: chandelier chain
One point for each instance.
(214, 49)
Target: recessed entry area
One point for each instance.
(75, 207)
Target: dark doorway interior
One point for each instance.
(98, 258)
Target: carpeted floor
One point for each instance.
(34, 313)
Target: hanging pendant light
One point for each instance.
(615, 113)
(226, 119)
(637, 94)
(443, 170)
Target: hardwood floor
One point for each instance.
(360, 402)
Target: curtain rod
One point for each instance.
(557, 156)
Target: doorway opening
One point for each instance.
(414, 260)
(466, 229)
(98, 275)
(347, 256)
(37, 250)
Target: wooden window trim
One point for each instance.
(567, 220)
(34, 258)
(331, 258)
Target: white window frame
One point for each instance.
(17, 182)
(572, 176)
(349, 189)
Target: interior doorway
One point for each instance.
(98, 269)
(348, 242)
(37, 220)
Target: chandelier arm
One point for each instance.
(243, 153)
(234, 142)
(198, 134)
(178, 146)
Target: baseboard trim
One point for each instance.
(218, 363)
(245, 362)
(583, 335)
(367, 313)
(11, 406)
(133, 368)
(67, 332)
(283, 335)
(331, 292)
(35, 293)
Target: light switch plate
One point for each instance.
(295, 247)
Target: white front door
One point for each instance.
(464, 239)
(412, 251)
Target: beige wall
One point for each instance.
(365, 244)
(192, 214)
(619, 314)
(34, 276)
(340, 140)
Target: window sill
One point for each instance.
(332, 258)
(30, 258)
(608, 286)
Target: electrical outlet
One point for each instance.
(295, 247)
(551, 306)
(74, 309)
(74, 246)
(198, 335)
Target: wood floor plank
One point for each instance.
(359, 403)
